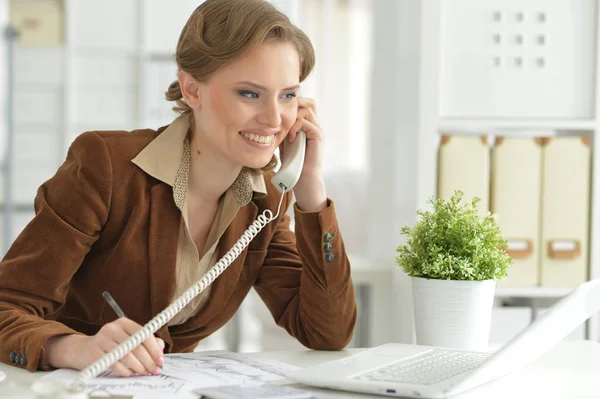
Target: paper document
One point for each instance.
(139, 387)
(206, 369)
(184, 372)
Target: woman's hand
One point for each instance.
(79, 351)
(310, 190)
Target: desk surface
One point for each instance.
(570, 370)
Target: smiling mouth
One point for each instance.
(258, 138)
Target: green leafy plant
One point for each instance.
(453, 242)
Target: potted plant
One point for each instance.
(453, 256)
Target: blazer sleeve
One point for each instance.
(70, 211)
(306, 283)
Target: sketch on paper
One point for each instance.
(182, 373)
(219, 368)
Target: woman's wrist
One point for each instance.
(311, 195)
(59, 350)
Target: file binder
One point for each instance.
(515, 199)
(39, 22)
(464, 164)
(565, 211)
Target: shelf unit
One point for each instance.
(532, 292)
(437, 115)
(512, 125)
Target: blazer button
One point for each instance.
(328, 236)
(327, 247)
(12, 357)
(329, 257)
(23, 360)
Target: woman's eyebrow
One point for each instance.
(246, 82)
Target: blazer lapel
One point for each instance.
(222, 289)
(165, 220)
(224, 285)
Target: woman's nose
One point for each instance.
(271, 115)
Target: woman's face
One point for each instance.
(247, 107)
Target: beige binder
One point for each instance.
(39, 22)
(464, 164)
(565, 211)
(515, 199)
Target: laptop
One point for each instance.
(417, 371)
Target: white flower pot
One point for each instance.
(453, 314)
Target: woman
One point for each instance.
(144, 214)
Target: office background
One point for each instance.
(417, 98)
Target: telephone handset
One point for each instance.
(292, 162)
(284, 180)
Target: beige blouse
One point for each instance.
(167, 158)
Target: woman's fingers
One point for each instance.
(144, 359)
(121, 370)
(305, 102)
(305, 114)
(138, 360)
(309, 114)
(313, 132)
(101, 347)
(150, 354)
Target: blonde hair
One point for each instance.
(219, 31)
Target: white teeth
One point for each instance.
(257, 138)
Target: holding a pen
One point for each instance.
(113, 304)
(83, 350)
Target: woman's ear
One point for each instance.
(190, 89)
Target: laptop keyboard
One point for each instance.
(433, 367)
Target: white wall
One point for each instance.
(394, 144)
(4, 18)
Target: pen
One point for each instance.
(113, 304)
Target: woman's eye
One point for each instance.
(290, 96)
(248, 94)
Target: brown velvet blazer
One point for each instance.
(101, 223)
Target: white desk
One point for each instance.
(570, 370)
